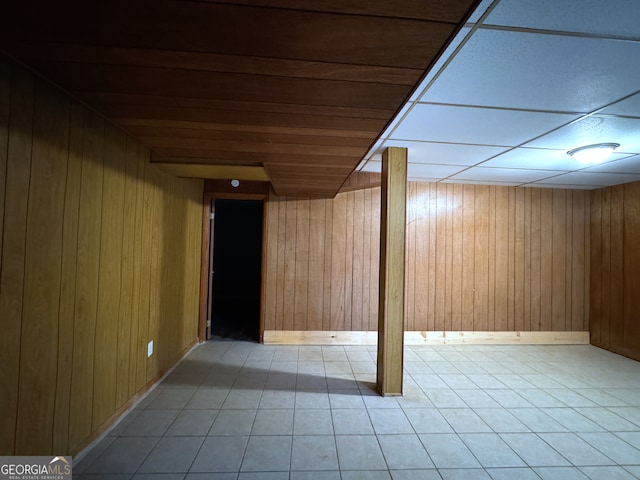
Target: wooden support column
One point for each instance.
(392, 245)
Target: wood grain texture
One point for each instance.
(43, 252)
(78, 222)
(614, 289)
(321, 65)
(391, 310)
(17, 132)
(478, 258)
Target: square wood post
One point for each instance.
(392, 259)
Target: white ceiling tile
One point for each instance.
(419, 171)
(537, 158)
(540, 72)
(424, 180)
(397, 119)
(481, 182)
(481, 126)
(372, 151)
(440, 63)
(504, 175)
(595, 129)
(626, 165)
(591, 179)
(432, 171)
(561, 185)
(372, 166)
(630, 106)
(444, 153)
(479, 11)
(611, 17)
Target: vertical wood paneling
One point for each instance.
(80, 275)
(271, 242)
(290, 239)
(375, 256)
(432, 319)
(358, 260)
(366, 255)
(5, 102)
(519, 261)
(328, 288)
(631, 287)
(579, 314)
(558, 267)
(301, 264)
(135, 343)
(109, 279)
(441, 252)
(315, 287)
(468, 256)
(614, 266)
(481, 259)
(338, 262)
(491, 274)
(456, 261)
(281, 240)
(478, 258)
(615, 293)
(34, 429)
(18, 140)
(527, 260)
(410, 261)
(536, 285)
(124, 388)
(348, 260)
(546, 260)
(606, 265)
(68, 283)
(87, 270)
(501, 302)
(448, 259)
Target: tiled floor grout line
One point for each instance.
(562, 393)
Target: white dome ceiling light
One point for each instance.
(591, 154)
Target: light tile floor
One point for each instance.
(247, 411)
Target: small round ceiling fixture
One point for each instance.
(235, 183)
(596, 153)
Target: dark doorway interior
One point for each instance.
(237, 266)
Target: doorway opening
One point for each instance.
(236, 268)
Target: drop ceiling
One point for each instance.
(520, 85)
(296, 91)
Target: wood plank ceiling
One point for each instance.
(296, 89)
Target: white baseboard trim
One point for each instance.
(291, 337)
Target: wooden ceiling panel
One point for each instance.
(89, 77)
(251, 137)
(302, 89)
(210, 27)
(177, 115)
(104, 98)
(213, 62)
(435, 10)
(190, 155)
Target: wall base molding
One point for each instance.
(290, 337)
(87, 446)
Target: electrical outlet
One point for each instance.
(150, 349)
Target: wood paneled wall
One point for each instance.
(319, 269)
(480, 258)
(615, 263)
(99, 255)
